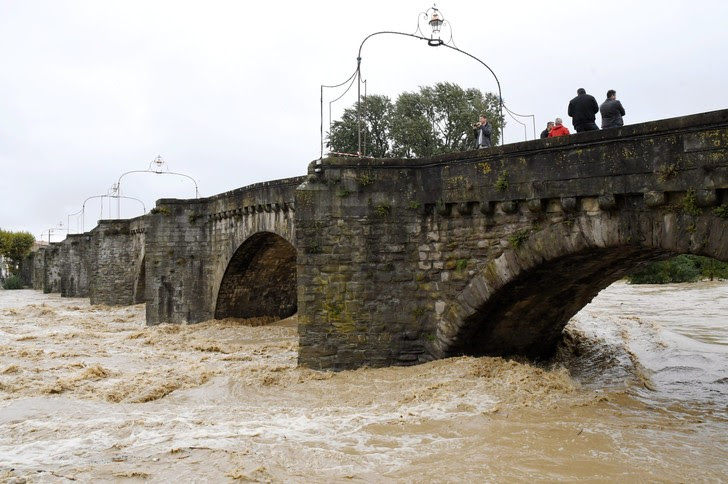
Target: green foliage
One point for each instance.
(501, 182)
(667, 172)
(383, 209)
(15, 246)
(461, 265)
(683, 268)
(365, 179)
(413, 205)
(13, 282)
(432, 121)
(161, 210)
(690, 203)
(517, 239)
(418, 312)
(376, 118)
(721, 211)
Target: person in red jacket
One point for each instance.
(559, 129)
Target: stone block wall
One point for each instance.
(387, 248)
(116, 255)
(75, 252)
(38, 269)
(52, 266)
(190, 245)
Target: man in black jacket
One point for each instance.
(583, 109)
(545, 132)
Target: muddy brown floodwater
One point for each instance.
(637, 392)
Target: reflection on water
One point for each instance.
(638, 391)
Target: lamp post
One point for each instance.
(159, 164)
(436, 21)
(51, 230)
(102, 197)
(68, 220)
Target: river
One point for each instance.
(637, 392)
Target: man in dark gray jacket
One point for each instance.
(583, 109)
(612, 111)
(482, 132)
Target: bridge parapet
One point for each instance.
(402, 261)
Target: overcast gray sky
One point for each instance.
(227, 92)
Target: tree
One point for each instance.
(14, 246)
(376, 117)
(682, 268)
(433, 121)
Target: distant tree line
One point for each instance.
(14, 247)
(683, 268)
(436, 120)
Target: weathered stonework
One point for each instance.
(117, 262)
(75, 252)
(492, 252)
(230, 255)
(51, 266)
(397, 262)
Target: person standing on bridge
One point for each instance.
(482, 132)
(612, 111)
(583, 109)
(559, 129)
(545, 132)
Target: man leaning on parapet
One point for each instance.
(482, 131)
(545, 132)
(583, 109)
(612, 111)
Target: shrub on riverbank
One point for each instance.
(13, 282)
(683, 268)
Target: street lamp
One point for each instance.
(436, 21)
(160, 168)
(102, 197)
(51, 230)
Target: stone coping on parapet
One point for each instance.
(283, 182)
(712, 119)
(118, 221)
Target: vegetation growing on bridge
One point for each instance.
(436, 120)
(721, 211)
(501, 183)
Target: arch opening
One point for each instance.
(527, 315)
(260, 280)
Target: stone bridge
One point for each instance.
(392, 262)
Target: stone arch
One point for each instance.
(520, 302)
(260, 279)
